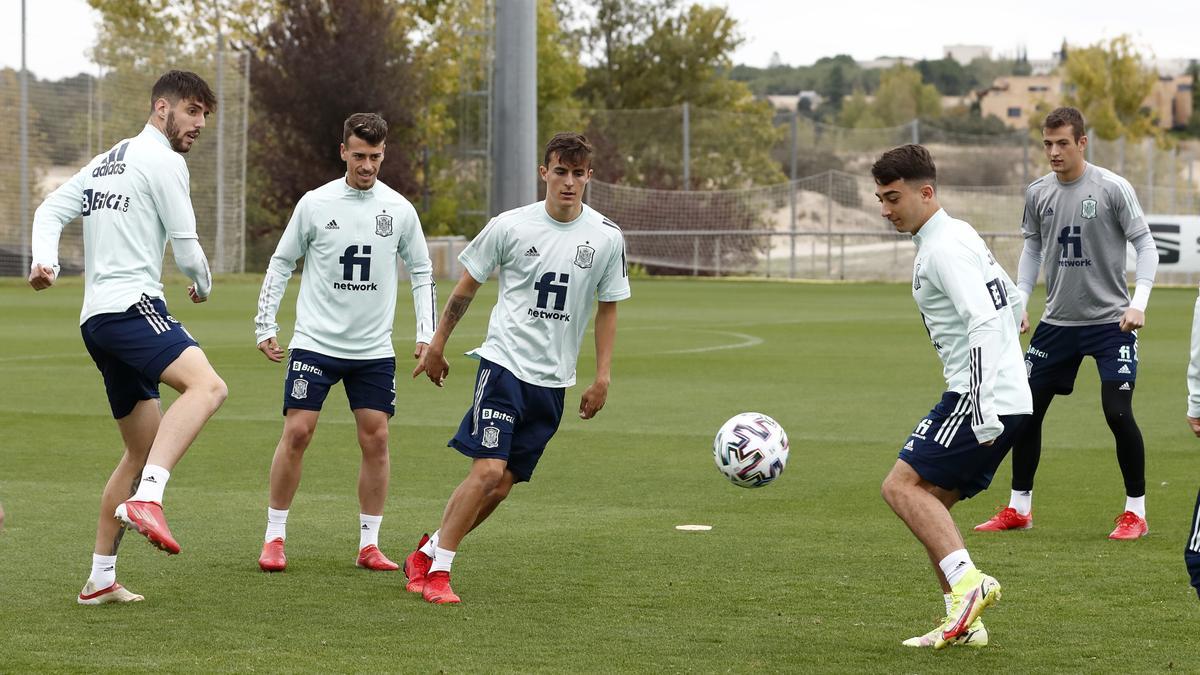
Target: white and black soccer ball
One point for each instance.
(751, 449)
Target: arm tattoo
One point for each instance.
(456, 307)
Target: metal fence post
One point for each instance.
(687, 148)
(1148, 145)
(829, 224)
(219, 240)
(25, 225)
(792, 200)
(916, 131)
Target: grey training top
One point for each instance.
(1082, 228)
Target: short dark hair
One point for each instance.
(572, 148)
(177, 85)
(1061, 117)
(368, 126)
(908, 162)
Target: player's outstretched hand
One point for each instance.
(196, 298)
(1024, 322)
(593, 400)
(1133, 320)
(1194, 423)
(270, 347)
(41, 277)
(434, 364)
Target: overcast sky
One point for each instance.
(59, 32)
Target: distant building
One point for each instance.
(885, 62)
(965, 54)
(789, 102)
(1014, 99)
(1171, 100)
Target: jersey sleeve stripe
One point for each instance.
(1131, 202)
(976, 380)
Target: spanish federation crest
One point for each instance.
(917, 278)
(299, 388)
(584, 255)
(491, 437)
(1088, 208)
(383, 225)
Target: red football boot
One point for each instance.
(147, 519)
(1006, 519)
(437, 589)
(370, 557)
(1130, 526)
(416, 566)
(273, 558)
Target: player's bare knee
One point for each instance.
(218, 391)
(296, 437)
(489, 475)
(500, 492)
(374, 446)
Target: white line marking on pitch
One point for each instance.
(746, 341)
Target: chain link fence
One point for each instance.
(824, 222)
(74, 119)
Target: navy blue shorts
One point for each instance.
(944, 451)
(370, 383)
(132, 349)
(1055, 352)
(1191, 551)
(510, 420)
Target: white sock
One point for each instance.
(442, 560)
(276, 524)
(154, 481)
(104, 570)
(1137, 505)
(956, 565)
(368, 530)
(431, 545)
(949, 598)
(1022, 501)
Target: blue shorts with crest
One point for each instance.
(370, 383)
(509, 419)
(1055, 352)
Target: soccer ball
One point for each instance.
(751, 449)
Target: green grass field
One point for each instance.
(582, 569)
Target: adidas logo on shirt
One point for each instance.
(332, 225)
(532, 252)
(1049, 210)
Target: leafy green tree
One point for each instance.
(901, 98)
(654, 54)
(309, 74)
(946, 75)
(1108, 82)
